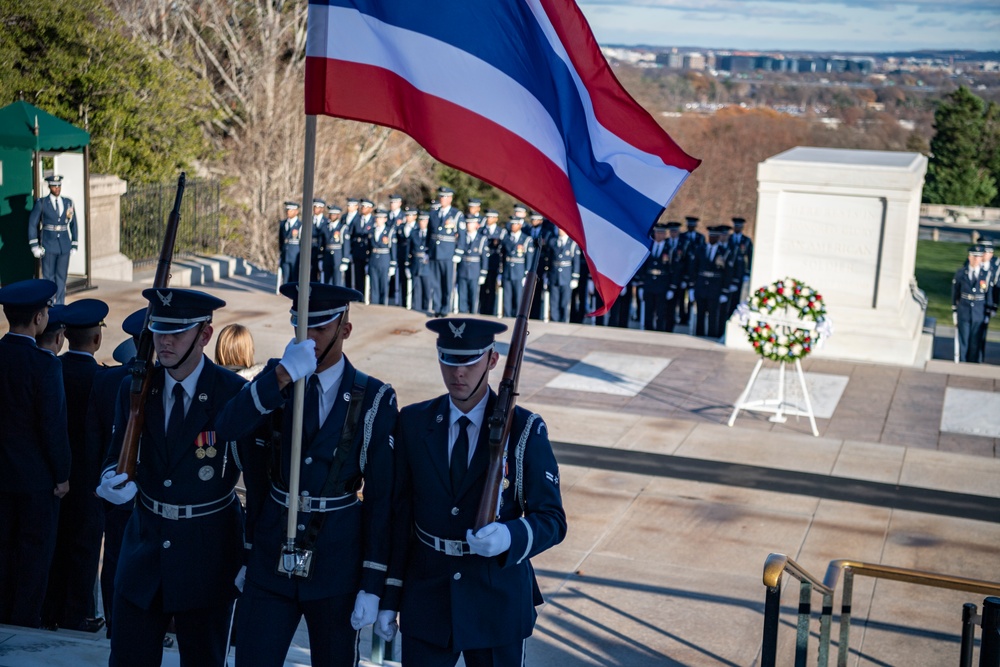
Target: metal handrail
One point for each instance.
(775, 566)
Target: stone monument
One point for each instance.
(845, 222)
(106, 259)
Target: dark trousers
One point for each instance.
(202, 634)
(512, 291)
(359, 267)
(290, 271)
(28, 524)
(580, 306)
(673, 306)
(488, 295)
(404, 287)
(378, 282)
(422, 293)
(535, 312)
(70, 595)
(332, 274)
(468, 295)
(655, 318)
(559, 302)
(971, 337)
(417, 652)
(685, 305)
(268, 621)
(442, 278)
(710, 317)
(55, 267)
(115, 519)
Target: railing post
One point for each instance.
(772, 613)
(845, 618)
(968, 634)
(824, 630)
(802, 630)
(989, 650)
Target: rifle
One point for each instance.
(502, 418)
(139, 370)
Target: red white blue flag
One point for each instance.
(514, 92)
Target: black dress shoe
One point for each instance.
(90, 625)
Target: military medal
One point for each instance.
(506, 483)
(206, 473)
(205, 443)
(200, 453)
(210, 452)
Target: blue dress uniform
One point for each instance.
(381, 258)
(715, 275)
(351, 549)
(420, 267)
(404, 229)
(337, 248)
(972, 302)
(657, 283)
(472, 269)
(563, 274)
(69, 601)
(183, 544)
(451, 600)
(444, 226)
(540, 231)
(359, 230)
(52, 227)
(495, 233)
(318, 240)
(693, 241)
(34, 455)
(516, 248)
(743, 246)
(289, 231)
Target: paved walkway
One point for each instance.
(662, 563)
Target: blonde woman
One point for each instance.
(234, 350)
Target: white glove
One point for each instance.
(723, 298)
(409, 275)
(72, 251)
(590, 287)
(37, 251)
(241, 579)
(365, 610)
(522, 281)
(385, 625)
(299, 359)
(954, 318)
(344, 263)
(392, 271)
(482, 280)
(691, 294)
(108, 491)
(670, 294)
(573, 284)
(490, 540)
(457, 259)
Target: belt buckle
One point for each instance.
(453, 547)
(169, 511)
(304, 504)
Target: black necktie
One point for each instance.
(310, 411)
(460, 454)
(176, 422)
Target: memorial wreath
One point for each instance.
(785, 320)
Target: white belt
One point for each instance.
(447, 547)
(316, 504)
(175, 512)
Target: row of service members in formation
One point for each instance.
(386, 507)
(445, 261)
(975, 293)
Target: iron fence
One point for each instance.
(145, 209)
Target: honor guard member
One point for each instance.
(516, 248)
(461, 592)
(34, 453)
(289, 231)
(445, 224)
(743, 246)
(318, 238)
(338, 247)
(472, 250)
(184, 541)
(540, 230)
(69, 601)
(52, 339)
(678, 273)
(656, 283)
(396, 219)
(396, 213)
(403, 232)
(382, 258)
(343, 541)
(563, 275)
(971, 305)
(349, 221)
(495, 234)
(419, 265)
(359, 232)
(474, 208)
(692, 241)
(100, 428)
(52, 235)
(716, 282)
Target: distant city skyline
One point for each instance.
(790, 25)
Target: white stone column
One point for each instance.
(107, 261)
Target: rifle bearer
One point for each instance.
(461, 592)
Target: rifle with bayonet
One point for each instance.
(502, 418)
(143, 362)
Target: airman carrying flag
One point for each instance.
(515, 92)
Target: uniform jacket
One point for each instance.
(475, 256)
(34, 449)
(476, 602)
(382, 248)
(718, 276)
(351, 552)
(193, 561)
(337, 241)
(665, 271)
(444, 230)
(972, 298)
(744, 250)
(288, 240)
(496, 237)
(79, 371)
(515, 254)
(419, 252)
(45, 214)
(359, 230)
(564, 263)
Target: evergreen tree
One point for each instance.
(73, 59)
(991, 146)
(956, 173)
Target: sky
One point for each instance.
(814, 25)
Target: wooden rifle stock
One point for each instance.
(143, 362)
(502, 418)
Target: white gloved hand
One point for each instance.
(691, 294)
(409, 275)
(385, 625)
(490, 540)
(954, 318)
(574, 283)
(522, 281)
(115, 496)
(344, 263)
(590, 287)
(392, 271)
(241, 579)
(299, 359)
(482, 280)
(365, 610)
(457, 259)
(670, 294)
(72, 251)
(723, 298)
(37, 251)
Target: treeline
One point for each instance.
(216, 87)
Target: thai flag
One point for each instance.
(515, 92)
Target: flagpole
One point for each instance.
(301, 332)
